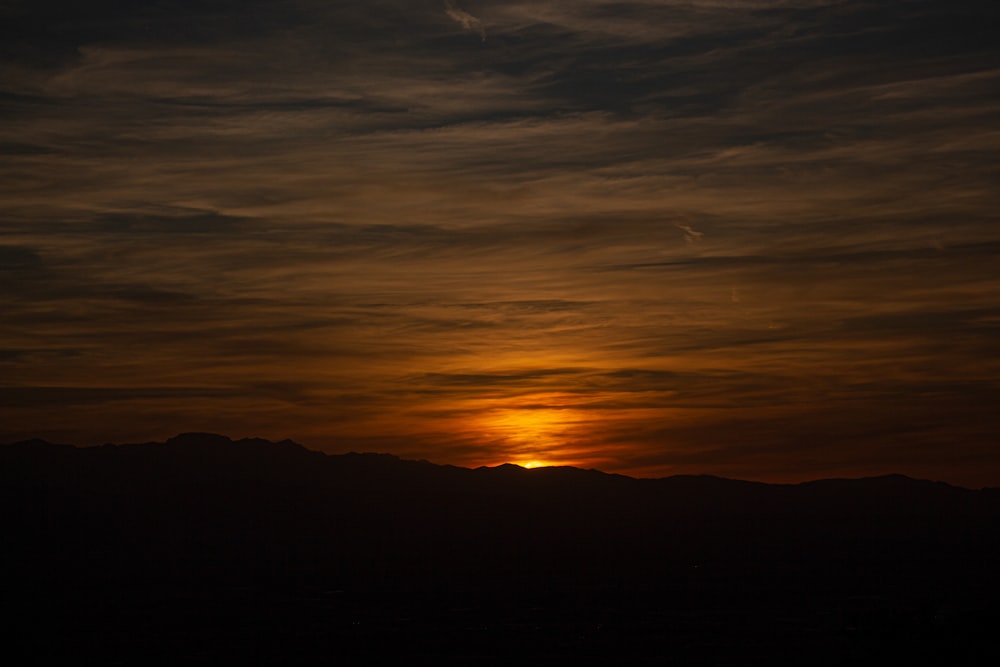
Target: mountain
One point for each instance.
(202, 522)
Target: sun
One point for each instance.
(534, 464)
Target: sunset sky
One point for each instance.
(750, 238)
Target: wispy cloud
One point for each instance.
(660, 236)
(464, 19)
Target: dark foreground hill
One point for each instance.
(203, 549)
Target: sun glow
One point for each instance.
(539, 425)
(533, 435)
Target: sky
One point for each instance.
(756, 239)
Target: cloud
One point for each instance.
(691, 237)
(465, 19)
(62, 397)
(19, 258)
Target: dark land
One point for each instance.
(202, 550)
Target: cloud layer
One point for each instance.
(756, 239)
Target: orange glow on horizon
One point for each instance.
(535, 432)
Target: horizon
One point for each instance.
(526, 466)
(757, 240)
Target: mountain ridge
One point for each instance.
(202, 538)
(202, 439)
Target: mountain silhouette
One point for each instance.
(200, 540)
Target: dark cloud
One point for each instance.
(14, 258)
(183, 222)
(493, 379)
(59, 397)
